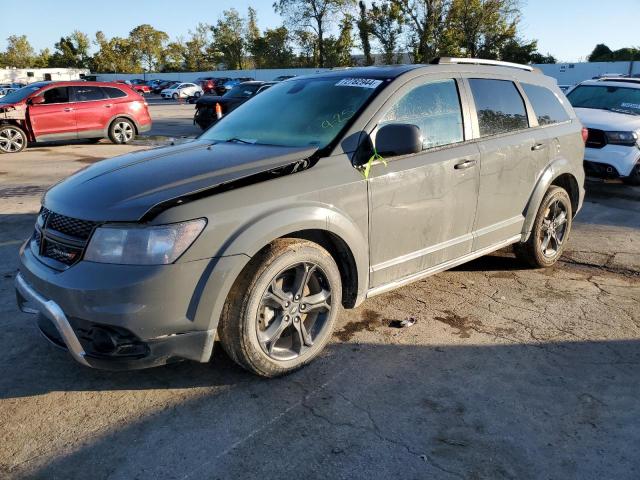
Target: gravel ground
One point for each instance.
(508, 372)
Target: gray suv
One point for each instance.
(317, 194)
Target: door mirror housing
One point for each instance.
(37, 100)
(398, 139)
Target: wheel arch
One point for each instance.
(559, 173)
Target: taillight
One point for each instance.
(585, 135)
(218, 111)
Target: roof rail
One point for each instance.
(480, 61)
(619, 79)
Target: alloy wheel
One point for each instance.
(123, 132)
(294, 311)
(11, 140)
(553, 229)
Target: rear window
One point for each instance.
(88, 93)
(547, 106)
(499, 105)
(113, 92)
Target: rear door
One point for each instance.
(93, 109)
(55, 119)
(511, 156)
(422, 206)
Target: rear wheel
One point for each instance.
(550, 231)
(197, 94)
(12, 139)
(122, 131)
(281, 311)
(175, 96)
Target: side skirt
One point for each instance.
(442, 267)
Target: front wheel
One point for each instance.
(197, 94)
(12, 139)
(634, 177)
(175, 96)
(281, 311)
(550, 231)
(122, 131)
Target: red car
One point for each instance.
(48, 111)
(138, 86)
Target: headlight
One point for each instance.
(628, 139)
(140, 245)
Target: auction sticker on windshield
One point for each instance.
(359, 82)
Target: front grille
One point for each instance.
(596, 139)
(61, 238)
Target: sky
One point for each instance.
(568, 29)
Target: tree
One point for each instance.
(601, 53)
(426, 21)
(312, 15)
(199, 49)
(338, 50)
(72, 51)
(386, 26)
(148, 44)
(114, 55)
(273, 49)
(42, 60)
(364, 32)
(229, 39)
(174, 56)
(308, 48)
(19, 52)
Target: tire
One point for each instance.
(122, 131)
(12, 139)
(550, 232)
(267, 330)
(175, 96)
(634, 177)
(197, 94)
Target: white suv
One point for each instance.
(182, 90)
(610, 109)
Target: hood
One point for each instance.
(125, 188)
(607, 120)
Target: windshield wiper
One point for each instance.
(238, 140)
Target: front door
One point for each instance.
(55, 119)
(422, 206)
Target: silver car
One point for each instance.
(319, 193)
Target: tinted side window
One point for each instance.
(88, 93)
(499, 105)
(547, 106)
(113, 92)
(435, 108)
(56, 95)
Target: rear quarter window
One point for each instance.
(545, 104)
(112, 92)
(499, 106)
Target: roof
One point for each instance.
(615, 82)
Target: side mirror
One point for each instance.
(398, 139)
(36, 100)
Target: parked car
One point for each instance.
(208, 106)
(162, 85)
(610, 109)
(141, 88)
(263, 228)
(212, 84)
(6, 91)
(46, 111)
(229, 84)
(182, 90)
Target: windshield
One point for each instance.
(242, 91)
(297, 113)
(615, 99)
(20, 94)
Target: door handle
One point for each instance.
(68, 109)
(539, 146)
(464, 164)
(108, 106)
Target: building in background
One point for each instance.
(574, 73)
(30, 75)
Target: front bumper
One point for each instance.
(154, 315)
(611, 161)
